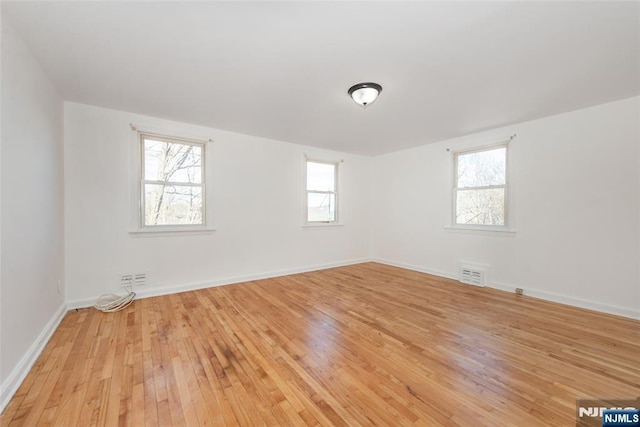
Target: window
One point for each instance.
(322, 194)
(172, 184)
(480, 187)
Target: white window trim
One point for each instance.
(488, 230)
(305, 206)
(136, 228)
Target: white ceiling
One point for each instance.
(281, 70)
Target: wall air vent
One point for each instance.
(139, 279)
(473, 274)
(130, 280)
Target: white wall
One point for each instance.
(32, 210)
(576, 178)
(577, 210)
(258, 194)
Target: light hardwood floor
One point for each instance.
(361, 345)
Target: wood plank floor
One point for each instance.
(361, 345)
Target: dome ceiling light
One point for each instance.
(365, 94)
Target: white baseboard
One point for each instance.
(418, 268)
(547, 296)
(13, 381)
(167, 290)
(575, 302)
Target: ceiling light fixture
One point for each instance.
(365, 93)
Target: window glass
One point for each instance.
(322, 197)
(321, 176)
(172, 189)
(482, 168)
(480, 188)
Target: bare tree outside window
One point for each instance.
(172, 181)
(480, 189)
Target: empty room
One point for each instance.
(340, 213)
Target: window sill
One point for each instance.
(322, 225)
(170, 231)
(482, 231)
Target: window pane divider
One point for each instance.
(321, 192)
(486, 187)
(178, 184)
